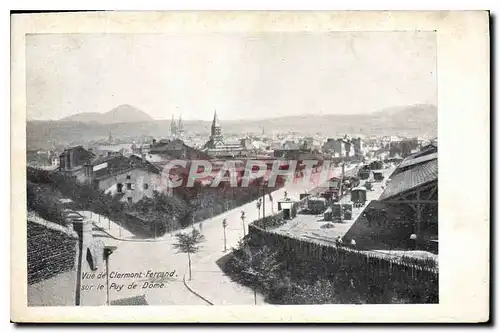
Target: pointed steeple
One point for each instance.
(216, 132)
(181, 125)
(173, 127)
(215, 122)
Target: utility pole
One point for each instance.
(264, 201)
(340, 198)
(346, 142)
(419, 220)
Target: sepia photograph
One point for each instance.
(232, 167)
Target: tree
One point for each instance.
(189, 243)
(257, 266)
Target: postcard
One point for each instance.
(250, 167)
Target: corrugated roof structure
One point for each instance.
(407, 180)
(418, 160)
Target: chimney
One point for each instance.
(143, 157)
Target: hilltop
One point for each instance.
(124, 113)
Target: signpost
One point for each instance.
(108, 250)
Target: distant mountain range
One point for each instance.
(121, 114)
(128, 122)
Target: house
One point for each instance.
(45, 159)
(72, 160)
(130, 177)
(357, 145)
(289, 150)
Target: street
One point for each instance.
(208, 280)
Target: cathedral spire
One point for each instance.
(181, 126)
(216, 132)
(215, 122)
(173, 127)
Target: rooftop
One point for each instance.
(407, 180)
(312, 227)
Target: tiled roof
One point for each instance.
(119, 164)
(410, 179)
(67, 150)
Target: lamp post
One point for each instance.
(224, 225)
(108, 250)
(271, 201)
(243, 222)
(259, 203)
(413, 241)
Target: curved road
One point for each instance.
(160, 256)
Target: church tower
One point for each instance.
(216, 137)
(180, 127)
(173, 128)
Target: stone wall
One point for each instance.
(52, 262)
(50, 251)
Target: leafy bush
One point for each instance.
(285, 277)
(42, 199)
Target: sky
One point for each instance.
(242, 76)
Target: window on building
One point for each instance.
(129, 199)
(119, 187)
(129, 186)
(146, 186)
(128, 177)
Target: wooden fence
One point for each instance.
(369, 273)
(377, 270)
(331, 253)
